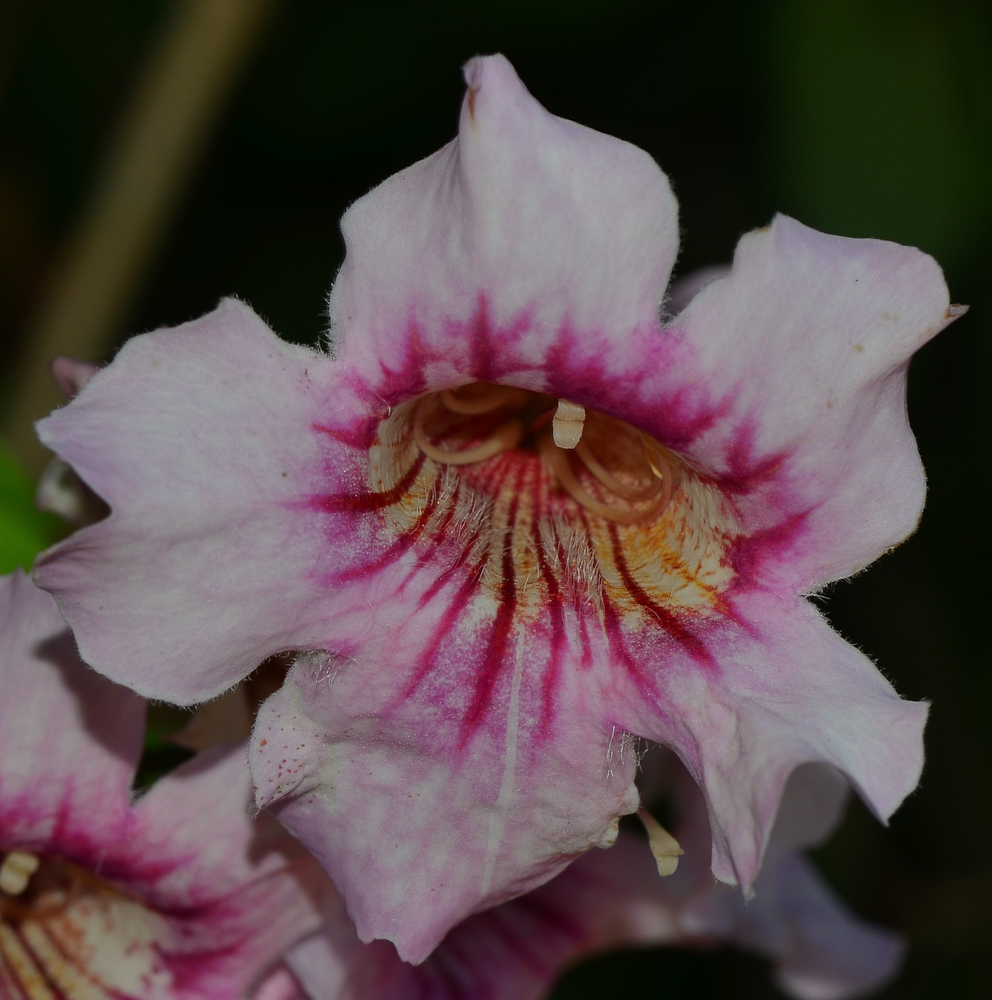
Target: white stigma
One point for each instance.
(567, 424)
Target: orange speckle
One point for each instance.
(262, 743)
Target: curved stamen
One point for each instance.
(593, 464)
(662, 462)
(550, 431)
(507, 435)
(481, 397)
(558, 461)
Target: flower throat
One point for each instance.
(605, 465)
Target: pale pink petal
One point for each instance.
(455, 784)
(799, 357)
(69, 738)
(687, 287)
(811, 808)
(539, 222)
(608, 899)
(235, 891)
(782, 692)
(820, 950)
(207, 441)
(823, 952)
(514, 951)
(458, 742)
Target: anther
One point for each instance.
(16, 872)
(664, 846)
(593, 464)
(558, 461)
(567, 424)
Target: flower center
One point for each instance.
(536, 502)
(605, 465)
(65, 932)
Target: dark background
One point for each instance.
(859, 117)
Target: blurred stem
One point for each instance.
(199, 58)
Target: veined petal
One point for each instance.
(183, 897)
(442, 781)
(68, 737)
(242, 890)
(613, 898)
(191, 900)
(784, 692)
(205, 566)
(551, 224)
(801, 351)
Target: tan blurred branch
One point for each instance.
(199, 58)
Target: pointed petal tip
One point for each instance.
(495, 66)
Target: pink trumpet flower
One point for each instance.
(178, 896)
(514, 518)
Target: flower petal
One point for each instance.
(802, 351)
(514, 951)
(241, 888)
(202, 441)
(820, 950)
(614, 898)
(784, 691)
(550, 223)
(427, 798)
(69, 738)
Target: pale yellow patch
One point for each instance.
(16, 871)
(664, 846)
(513, 504)
(77, 937)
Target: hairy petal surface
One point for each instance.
(478, 631)
(784, 692)
(409, 809)
(800, 355)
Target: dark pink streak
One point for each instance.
(361, 502)
(495, 658)
(352, 437)
(453, 612)
(668, 621)
(556, 609)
